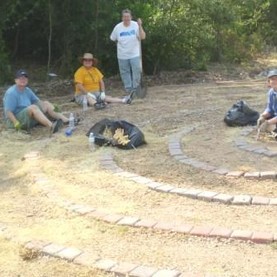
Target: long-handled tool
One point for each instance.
(142, 89)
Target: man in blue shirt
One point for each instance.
(23, 109)
(268, 119)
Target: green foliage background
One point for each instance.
(180, 33)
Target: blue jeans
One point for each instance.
(130, 73)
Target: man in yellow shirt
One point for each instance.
(89, 84)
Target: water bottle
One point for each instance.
(69, 131)
(71, 121)
(91, 141)
(85, 103)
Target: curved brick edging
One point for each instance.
(132, 221)
(243, 145)
(89, 259)
(108, 163)
(175, 150)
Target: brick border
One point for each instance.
(243, 145)
(89, 259)
(108, 163)
(175, 150)
(132, 221)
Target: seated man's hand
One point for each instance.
(260, 121)
(17, 125)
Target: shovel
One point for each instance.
(142, 89)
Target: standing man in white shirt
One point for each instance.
(128, 35)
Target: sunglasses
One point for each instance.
(87, 60)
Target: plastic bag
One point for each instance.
(241, 115)
(132, 133)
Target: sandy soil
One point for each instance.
(75, 173)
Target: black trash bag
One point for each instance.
(99, 127)
(135, 135)
(241, 115)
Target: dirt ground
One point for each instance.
(75, 173)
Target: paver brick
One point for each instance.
(174, 145)
(252, 175)
(123, 269)
(260, 200)
(31, 155)
(242, 200)
(201, 231)
(126, 174)
(143, 271)
(166, 273)
(128, 220)
(84, 210)
(146, 223)
(262, 237)
(179, 191)
(52, 249)
(270, 153)
(223, 198)
(175, 151)
(74, 207)
(36, 244)
(113, 218)
(273, 201)
(242, 234)
(107, 162)
(260, 151)
(97, 214)
(221, 171)
(153, 185)
(180, 157)
(174, 140)
(69, 253)
(221, 232)
(164, 226)
(105, 264)
(207, 195)
(164, 188)
(192, 193)
(235, 174)
(268, 175)
(141, 180)
(182, 228)
(86, 259)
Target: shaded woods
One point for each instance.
(180, 33)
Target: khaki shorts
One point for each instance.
(25, 120)
(94, 95)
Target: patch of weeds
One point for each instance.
(274, 245)
(122, 230)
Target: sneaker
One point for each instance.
(56, 126)
(129, 98)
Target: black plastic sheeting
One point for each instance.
(135, 135)
(241, 115)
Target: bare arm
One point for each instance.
(81, 88)
(142, 34)
(11, 117)
(102, 85)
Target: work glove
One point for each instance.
(260, 121)
(102, 95)
(17, 125)
(264, 126)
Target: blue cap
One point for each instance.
(19, 73)
(272, 73)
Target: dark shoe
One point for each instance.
(56, 126)
(130, 97)
(76, 121)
